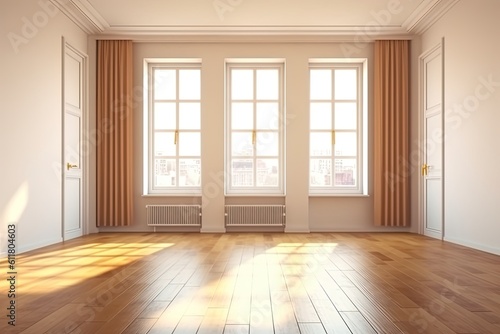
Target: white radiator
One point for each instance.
(255, 215)
(173, 215)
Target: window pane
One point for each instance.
(321, 144)
(241, 144)
(254, 128)
(321, 172)
(189, 116)
(164, 144)
(267, 144)
(242, 84)
(267, 116)
(346, 85)
(189, 84)
(242, 173)
(345, 116)
(164, 84)
(164, 175)
(189, 144)
(345, 172)
(321, 116)
(164, 118)
(321, 84)
(267, 84)
(267, 172)
(189, 172)
(345, 144)
(242, 116)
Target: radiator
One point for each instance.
(173, 215)
(255, 215)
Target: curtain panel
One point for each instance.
(391, 133)
(114, 128)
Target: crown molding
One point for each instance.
(426, 14)
(229, 39)
(83, 15)
(355, 33)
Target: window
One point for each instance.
(254, 136)
(174, 128)
(337, 128)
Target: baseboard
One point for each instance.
(298, 230)
(480, 247)
(287, 230)
(363, 230)
(254, 229)
(30, 247)
(213, 230)
(159, 229)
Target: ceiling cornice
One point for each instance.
(83, 14)
(251, 38)
(426, 14)
(362, 33)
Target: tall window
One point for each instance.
(254, 136)
(174, 162)
(337, 150)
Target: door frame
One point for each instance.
(422, 137)
(85, 128)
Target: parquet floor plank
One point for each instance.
(255, 283)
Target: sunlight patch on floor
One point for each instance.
(73, 265)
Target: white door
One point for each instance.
(433, 135)
(74, 105)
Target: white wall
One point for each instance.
(304, 214)
(472, 118)
(30, 126)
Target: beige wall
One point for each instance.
(303, 213)
(31, 118)
(472, 103)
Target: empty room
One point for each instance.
(249, 166)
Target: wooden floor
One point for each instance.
(255, 283)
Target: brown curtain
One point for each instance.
(391, 151)
(114, 126)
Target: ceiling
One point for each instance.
(255, 17)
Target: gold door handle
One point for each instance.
(176, 137)
(69, 166)
(425, 169)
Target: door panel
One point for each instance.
(433, 82)
(433, 204)
(72, 79)
(72, 136)
(72, 210)
(434, 148)
(433, 134)
(73, 111)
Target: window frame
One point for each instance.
(255, 64)
(361, 188)
(149, 131)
